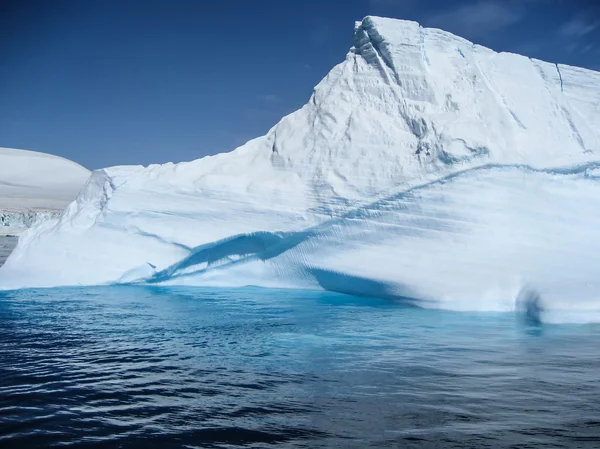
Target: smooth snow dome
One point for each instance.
(423, 167)
(32, 180)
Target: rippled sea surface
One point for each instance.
(153, 367)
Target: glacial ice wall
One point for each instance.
(26, 218)
(423, 167)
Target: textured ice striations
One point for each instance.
(423, 168)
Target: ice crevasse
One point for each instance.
(423, 168)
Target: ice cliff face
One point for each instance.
(418, 162)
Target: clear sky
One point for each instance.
(110, 82)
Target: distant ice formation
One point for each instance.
(35, 187)
(423, 168)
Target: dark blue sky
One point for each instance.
(107, 82)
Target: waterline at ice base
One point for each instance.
(424, 168)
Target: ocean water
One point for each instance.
(7, 244)
(207, 368)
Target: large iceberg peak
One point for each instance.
(409, 101)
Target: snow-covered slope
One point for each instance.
(423, 167)
(32, 180)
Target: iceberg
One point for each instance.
(424, 168)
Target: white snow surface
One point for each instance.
(31, 181)
(423, 168)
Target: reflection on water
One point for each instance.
(138, 366)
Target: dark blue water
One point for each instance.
(153, 367)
